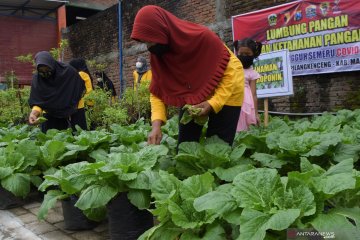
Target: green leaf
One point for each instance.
(215, 154)
(282, 219)
(212, 232)
(95, 196)
(233, 217)
(268, 160)
(336, 183)
(164, 230)
(351, 213)
(336, 223)
(139, 198)
(184, 215)
(5, 172)
(149, 155)
(253, 224)
(230, 173)
(15, 160)
(325, 141)
(237, 153)
(95, 214)
(18, 184)
(191, 148)
(290, 199)
(51, 151)
(305, 165)
(218, 202)
(99, 155)
(36, 180)
(196, 186)
(165, 187)
(345, 151)
(254, 188)
(345, 166)
(30, 151)
(50, 199)
(143, 180)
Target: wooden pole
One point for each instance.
(266, 112)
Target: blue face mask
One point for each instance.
(159, 49)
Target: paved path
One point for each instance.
(22, 224)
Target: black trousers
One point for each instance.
(223, 124)
(77, 118)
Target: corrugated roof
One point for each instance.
(30, 8)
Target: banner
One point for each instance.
(276, 78)
(321, 36)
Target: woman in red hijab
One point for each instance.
(190, 65)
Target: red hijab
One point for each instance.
(195, 63)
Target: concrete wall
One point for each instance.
(313, 93)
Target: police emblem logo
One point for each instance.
(272, 19)
(324, 8)
(310, 11)
(298, 15)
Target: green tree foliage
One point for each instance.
(14, 108)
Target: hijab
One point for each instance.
(144, 66)
(192, 67)
(80, 65)
(59, 94)
(106, 83)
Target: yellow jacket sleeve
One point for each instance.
(230, 90)
(37, 108)
(135, 75)
(158, 109)
(144, 78)
(88, 87)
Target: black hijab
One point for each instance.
(58, 95)
(106, 83)
(80, 65)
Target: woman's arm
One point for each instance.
(158, 117)
(253, 91)
(226, 86)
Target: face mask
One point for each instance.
(139, 64)
(159, 49)
(99, 79)
(246, 61)
(45, 75)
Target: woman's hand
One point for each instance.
(155, 135)
(206, 108)
(33, 117)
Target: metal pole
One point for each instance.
(120, 49)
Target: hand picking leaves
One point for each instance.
(190, 113)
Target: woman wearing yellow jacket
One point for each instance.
(142, 73)
(79, 118)
(190, 65)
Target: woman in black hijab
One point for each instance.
(56, 89)
(104, 82)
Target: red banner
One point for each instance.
(321, 36)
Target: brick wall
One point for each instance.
(313, 93)
(96, 38)
(19, 36)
